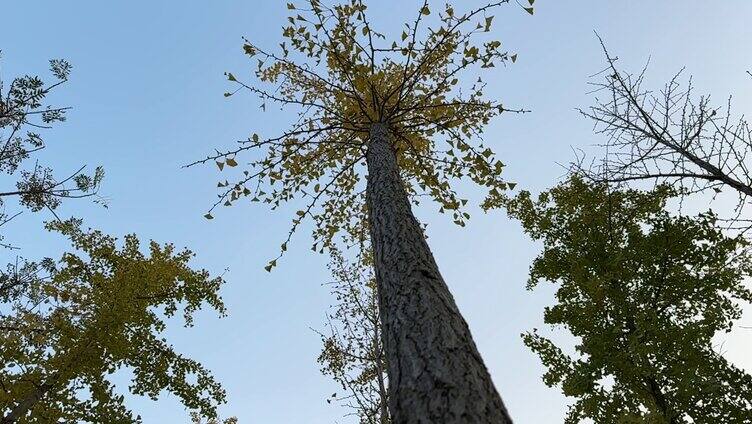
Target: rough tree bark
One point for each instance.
(436, 374)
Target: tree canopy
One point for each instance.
(643, 292)
(99, 309)
(68, 325)
(341, 76)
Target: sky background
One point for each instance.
(146, 92)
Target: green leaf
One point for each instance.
(528, 10)
(489, 19)
(231, 77)
(208, 216)
(220, 165)
(425, 10)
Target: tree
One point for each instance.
(671, 137)
(73, 325)
(67, 326)
(644, 293)
(23, 116)
(385, 110)
(352, 352)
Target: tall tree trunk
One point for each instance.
(436, 374)
(25, 405)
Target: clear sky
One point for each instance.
(147, 92)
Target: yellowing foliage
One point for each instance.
(72, 324)
(342, 76)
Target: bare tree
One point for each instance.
(669, 136)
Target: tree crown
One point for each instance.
(74, 323)
(644, 292)
(334, 70)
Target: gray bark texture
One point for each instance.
(436, 374)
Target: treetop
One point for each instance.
(341, 76)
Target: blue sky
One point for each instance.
(147, 96)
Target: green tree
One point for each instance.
(92, 313)
(66, 326)
(406, 114)
(644, 292)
